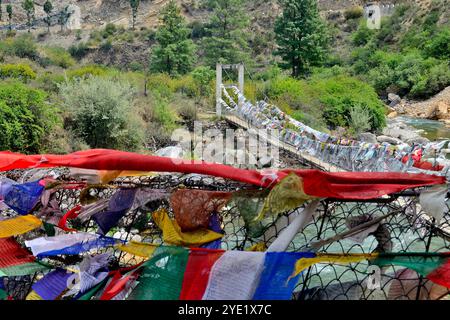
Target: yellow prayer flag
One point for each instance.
(172, 232)
(287, 195)
(33, 296)
(140, 249)
(258, 247)
(19, 225)
(304, 263)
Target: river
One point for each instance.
(432, 129)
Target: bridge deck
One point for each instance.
(308, 159)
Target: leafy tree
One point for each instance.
(9, 10)
(28, 6)
(301, 36)
(100, 111)
(62, 19)
(134, 9)
(24, 117)
(227, 42)
(48, 8)
(174, 53)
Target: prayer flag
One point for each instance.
(18, 225)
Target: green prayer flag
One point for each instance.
(22, 270)
(162, 276)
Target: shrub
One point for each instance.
(49, 81)
(86, 71)
(59, 57)
(187, 86)
(135, 66)
(438, 46)
(353, 13)
(79, 51)
(22, 72)
(202, 77)
(101, 113)
(363, 35)
(360, 119)
(25, 117)
(109, 30)
(24, 47)
(187, 110)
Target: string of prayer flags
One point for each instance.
(316, 183)
(172, 233)
(18, 225)
(193, 208)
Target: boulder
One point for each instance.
(418, 140)
(391, 140)
(170, 152)
(392, 115)
(393, 99)
(367, 137)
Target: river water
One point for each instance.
(432, 129)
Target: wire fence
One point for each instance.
(407, 229)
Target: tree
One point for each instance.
(28, 6)
(134, 9)
(9, 10)
(174, 53)
(227, 42)
(1, 10)
(48, 8)
(301, 36)
(62, 19)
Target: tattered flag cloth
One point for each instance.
(193, 208)
(275, 282)
(12, 254)
(342, 185)
(139, 249)
(162, 276)
(197, 273)
(69, 244)
(172, 233)
(235, 276)
(52, 285)
(118, 206)
(18, 225)
(23, 197)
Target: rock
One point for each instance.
(367, 137)
(170, 152)
(393, 99)
(392, 115)
(441, 110)
(391, 140)
(74, 20)
(418, 140)
(266, 162)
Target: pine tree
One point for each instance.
(134, 9)
(28, 6)
(48, 8)
(227, 41)
(62, 19)
(174, 53)
(9, 10)
(301, 36)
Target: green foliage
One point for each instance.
(50, 82)
(134, 9)
(102, 113)
(360, 119)
(9, 10)
(354, 13)
(79, 51)
(25, 117)
(301, 36)
(28, 6)
(226, 41)
(363, 35)
(48, 8)
(438, 46)
(86, 72)
(203, 77)
(23, 46)
(174, 52)
(59, 57)
(20, 71)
